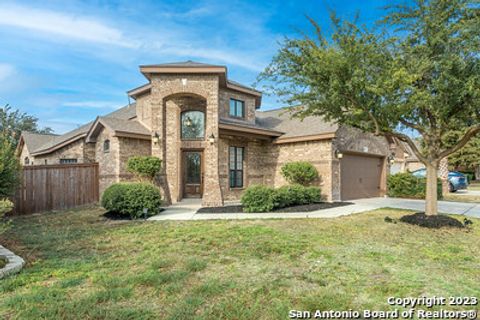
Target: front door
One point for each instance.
(192, 174)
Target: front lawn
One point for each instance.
(461, 197)
(82, 266)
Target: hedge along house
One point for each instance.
(214, 142)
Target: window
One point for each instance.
(26, 161)
(236, 167)
(237, 108)
(68, 161)
(193, 125)
(46, 161)
(106, 146)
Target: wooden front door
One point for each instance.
(192, 174)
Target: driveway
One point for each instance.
(186, 209)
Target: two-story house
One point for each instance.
(214, 141)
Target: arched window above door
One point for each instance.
(192, 125)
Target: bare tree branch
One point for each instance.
(412, 125)
(409, 141)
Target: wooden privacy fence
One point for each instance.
(56, 187)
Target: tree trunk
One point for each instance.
(477, 172)
(432, 193)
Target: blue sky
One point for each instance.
(68, 61)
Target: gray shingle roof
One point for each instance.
(127, 112)
(36, 140)
(281, 120)
(124, 125)
(248, 125)
(182, 64)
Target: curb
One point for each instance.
(14, 263)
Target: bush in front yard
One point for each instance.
(129, 199)
(406, 185)
(263, 199)
(296, 194)
(299, 172)
(144, 167)
(258, 198)
(5, 207)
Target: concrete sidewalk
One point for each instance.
(186, 209)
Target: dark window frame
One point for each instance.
(68, 161)
(235, 173)
(236, 108)
(106, 146)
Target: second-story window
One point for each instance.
(237, 108)
(26, 161)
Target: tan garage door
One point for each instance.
(360, 176)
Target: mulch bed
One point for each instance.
(434, 222)
(300, 208)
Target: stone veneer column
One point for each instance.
(158, 149)
(212, 193)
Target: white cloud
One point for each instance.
(92, 104)
(6, 70)
(62, 24)
(169, 39)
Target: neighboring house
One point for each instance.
(405, 159)
(214, 142)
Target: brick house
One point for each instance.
(214, 141)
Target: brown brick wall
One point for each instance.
(108, 162)
(75, 150)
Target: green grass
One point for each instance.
(81, 266)
(474, 186)
(461, 198)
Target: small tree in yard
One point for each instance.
(9, 168)
(422, 73)
(145, 168)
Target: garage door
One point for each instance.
(360, 176)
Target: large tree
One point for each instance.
(13, 122)
(419, 71)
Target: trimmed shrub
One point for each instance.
(263, 199)
(313, 194)
(296, 194)
(5, 207)
(299, 172)
(129, 199)
(406, 185)
(258, 198)
(144, 167)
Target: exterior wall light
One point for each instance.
(338, 154)
(188, 122)
(211, 139)
(184, 82)
(155, 138)
(391, 159)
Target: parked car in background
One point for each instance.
(456, 180)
